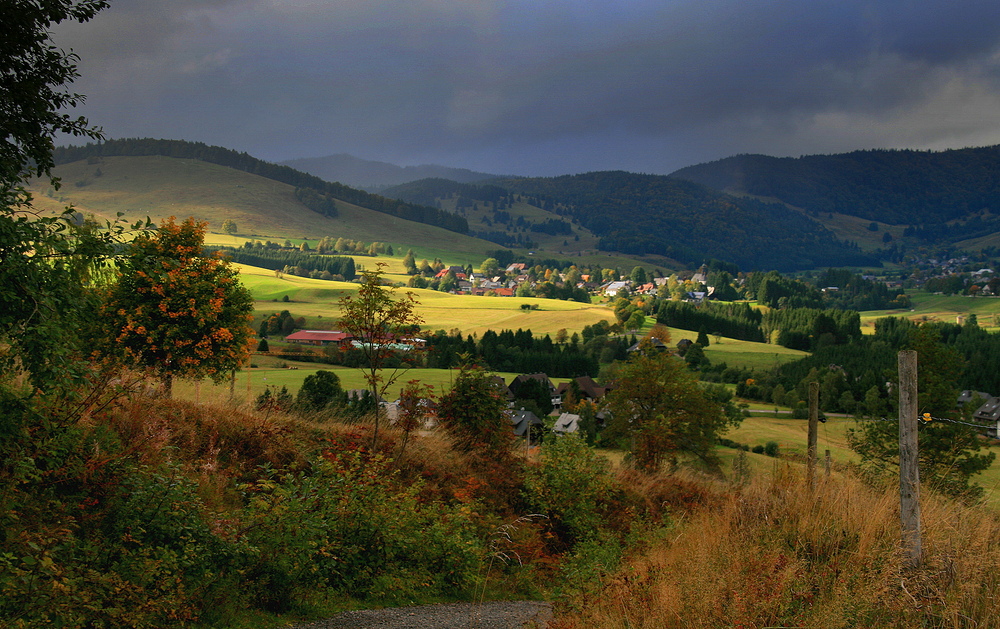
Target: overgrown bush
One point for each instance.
(572, 486)
(346, 524)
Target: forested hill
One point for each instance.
(312, 191)
(898, 187)
(643, 214)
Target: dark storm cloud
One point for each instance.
(544, 86)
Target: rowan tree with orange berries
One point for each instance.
(176, 311)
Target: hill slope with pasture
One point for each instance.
(159, 187)
(162, 178)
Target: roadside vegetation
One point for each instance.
(772, 554)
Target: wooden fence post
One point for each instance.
(827, 464)
(909, 470)
(813, 430)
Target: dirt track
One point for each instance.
(493, 615)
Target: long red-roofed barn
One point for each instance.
(318, 337)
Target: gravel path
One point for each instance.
(494, 615)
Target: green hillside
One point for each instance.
(509, 219)
(159, 187)
(944, 308)
(313, 192)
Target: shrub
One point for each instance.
(757, 449)
(319, 391)
(349, 525)
(571, 486)
(771, 448)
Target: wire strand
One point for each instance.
(926, 419)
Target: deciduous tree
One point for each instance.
(660, 410)
(176, 311)
(319, 391)
(33, 96)
(381, 323)
(475, 412)
(46, 263)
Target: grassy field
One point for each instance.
(947, 308)
(278, 373)
(317, 300)
(792, 436)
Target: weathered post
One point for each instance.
(827, 464)
(813, 430)
(909, 471)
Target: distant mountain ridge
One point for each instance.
(374, 176)
(756, 211)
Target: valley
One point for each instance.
(249, 447)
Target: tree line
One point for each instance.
(293, 261)
(513, 351)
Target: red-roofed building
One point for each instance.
(457, 270)
(318, 337)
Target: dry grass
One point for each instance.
(772, 555)
(221, 444)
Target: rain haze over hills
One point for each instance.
(543, 88)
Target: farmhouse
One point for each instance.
(613, 288)
(568, 423)
(525, 424)
(988, 412)
(318, 337)
(589, 390)
(458, 271)
(504, 390)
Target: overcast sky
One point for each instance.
(544, 87)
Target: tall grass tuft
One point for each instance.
(774, 555)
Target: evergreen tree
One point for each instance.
(702, 337)
(950, 453)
